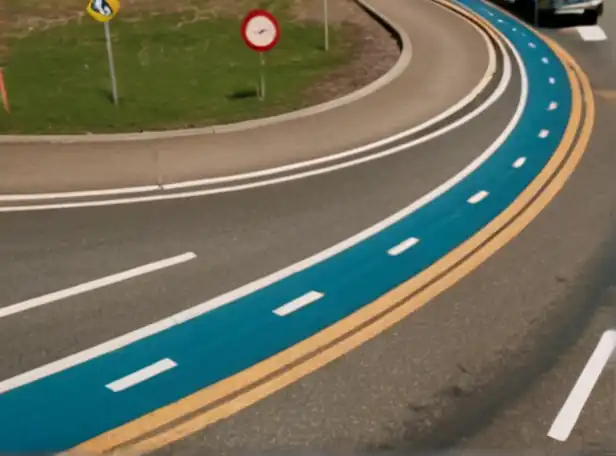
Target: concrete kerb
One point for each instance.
(401, 37)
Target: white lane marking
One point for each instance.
(94, 284)
(514, 29)
(571, 410)
(532, 45)
(500, 21)
(495, 96)
(467, 99)
(544, 133)
(592, 33)
(553, 105)
(519, 162)
(477, 197)
(298, 303)
(79, 194)
(141, 375)
(245, 290)
(552, 80)
(403, 246)
(545, 60)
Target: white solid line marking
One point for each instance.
(477, 197)
(544, 133)
(592, 33)
(519, 162)
(488, 75)
(552, 80)
(468, 98)
(233, 295)
(403, 246)
(141, 375)
(298, 303)
(545, 60)
(553, 105)
(80, 194)
(571, 410)
(94, 284)
(531, 44)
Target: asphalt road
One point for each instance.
(388, 393)
(585, 305)
(238, 237)
(536, 310)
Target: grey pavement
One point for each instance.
(238, 237)
(486, 365)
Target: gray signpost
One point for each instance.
(103, 11)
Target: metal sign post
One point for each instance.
(103, 11)
(326, 25)
(261, 33)
(114, 84)
(262, 75)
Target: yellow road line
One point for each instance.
(150, 422)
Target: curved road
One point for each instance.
(382, 394)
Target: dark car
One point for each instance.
(588, 10)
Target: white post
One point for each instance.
(326, 24)
(114, 86)
(262, 75)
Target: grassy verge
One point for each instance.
(173, 72)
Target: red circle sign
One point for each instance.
(260, 30)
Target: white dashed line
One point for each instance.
(514, 29)
(403, 246)
(94, 284)
(544, 134)
(552, 80)
(533, 45)
(500, 21)
(519, 162)
(141, 375)
(592, 33)
(83, 356)
(298, 303)
(545, 60)
(571, 410)
(553, 105)
(477, 197)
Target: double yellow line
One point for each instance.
(221, 400)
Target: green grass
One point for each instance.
(168, 77)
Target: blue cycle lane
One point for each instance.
(60, 411)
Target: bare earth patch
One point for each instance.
(375, 51)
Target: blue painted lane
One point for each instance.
(60, 411)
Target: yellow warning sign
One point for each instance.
(103, 10)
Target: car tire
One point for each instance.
(591, 17)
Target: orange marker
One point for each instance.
(5, 97)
